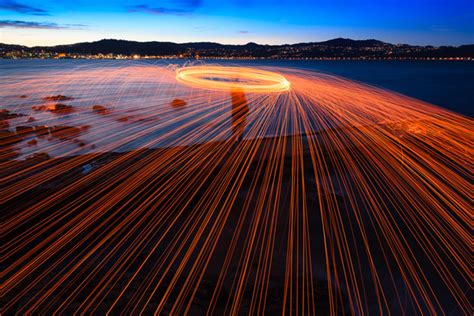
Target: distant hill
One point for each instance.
(346, 42)
(338, 47)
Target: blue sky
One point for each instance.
(51, 22)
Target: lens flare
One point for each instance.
(229, 78)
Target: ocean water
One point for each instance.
(448, 84)
(137, 101)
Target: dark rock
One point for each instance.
(65, 132)
(4, 124)
(6, 114)
(38, 157)
(61, 108)
(9, 138)
(41, 130)
(177, 103)
(58, 97)
(123, 119)
(100, 109)
(58, 108)
(23, 129)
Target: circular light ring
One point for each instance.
(229, 78)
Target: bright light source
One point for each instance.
(228, 78)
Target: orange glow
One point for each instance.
(228, 78)
(141, 190)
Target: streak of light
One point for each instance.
(248, 79)
(220, 190)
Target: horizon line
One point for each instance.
(234, 44)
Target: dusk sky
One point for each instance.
(51, 22)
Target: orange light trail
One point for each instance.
(248, 79)
(220, 190)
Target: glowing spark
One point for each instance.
(125, 191)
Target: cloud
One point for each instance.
(143, 8)
(243, 32)
(12, 5)
(38, 25)
(192, 4)
(174, 8)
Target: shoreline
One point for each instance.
(245, 58)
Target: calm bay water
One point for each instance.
(448, 84)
